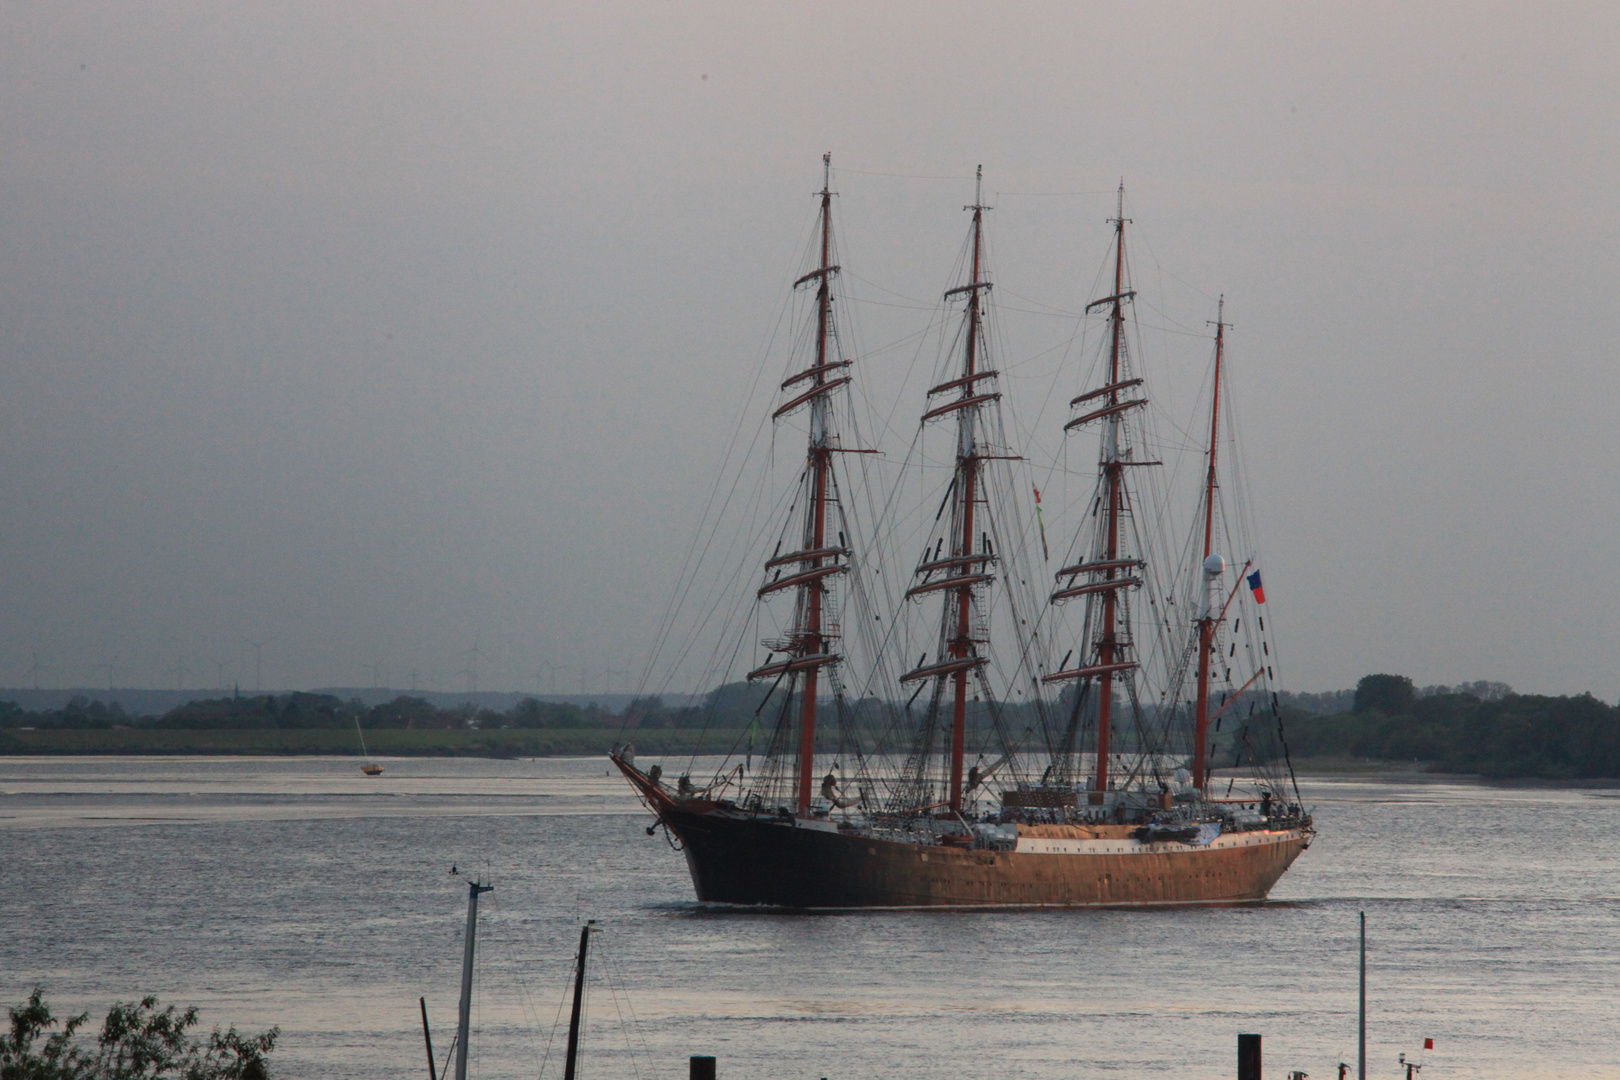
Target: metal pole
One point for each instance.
(1361, 1029)
(427, 1037)
(473, 889)
(579, 994)
(1248, 1057)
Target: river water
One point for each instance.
(297, 893)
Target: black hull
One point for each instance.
(761, 861)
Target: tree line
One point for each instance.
(730, 706)
(1482, 728)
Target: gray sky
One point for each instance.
(385, 330)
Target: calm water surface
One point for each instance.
(298, 893)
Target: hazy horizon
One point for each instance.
(384, 335)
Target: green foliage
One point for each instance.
(137, 1042)
(733, 705)
(1391, 695)
(297, 710)
(1530, 735)
(79, 714)
(532, 713)
(413, 712)
(1512, 735)
(310, 712)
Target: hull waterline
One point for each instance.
(779, 861)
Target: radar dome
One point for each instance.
(1214, 566)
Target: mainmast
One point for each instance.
(807, 645)
(816, 526)
(965, 568)
(1107, 646)
(1211, 569)
(1106, 572)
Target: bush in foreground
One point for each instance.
(137, 1042)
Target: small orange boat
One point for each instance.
(370, 768)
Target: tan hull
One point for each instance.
(765, 861)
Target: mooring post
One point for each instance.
(702, 1068)
(1248, 1057)
(1361, 1025)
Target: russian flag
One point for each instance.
(1256, 588)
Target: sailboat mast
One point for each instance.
(816, 516)
(571, 1061)
(464, 1016)
(1112, 468)
(1206, 622)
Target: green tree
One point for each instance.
(1391, 695)
(137, 1042)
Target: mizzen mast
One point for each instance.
(968, 563)
(1211, 568)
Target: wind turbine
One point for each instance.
(111, 668)
(219, 669)
(376, 674)
(36, 668)
(551, 673)
(471, 670)
(180, 671)
(258, 662)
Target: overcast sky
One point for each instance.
(381, 332)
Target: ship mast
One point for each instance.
(961, 640)
(964, 568)
(1106, 573)
(807, 569)
(813, 591)
(1206, 620)
(1107, 646)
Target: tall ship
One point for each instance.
(949, 711)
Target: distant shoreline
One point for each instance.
(507, 743)
(320, 742)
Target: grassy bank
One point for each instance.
(495, 742)
(383, 742)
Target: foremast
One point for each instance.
(964, 569)
(808, 644)
(1106, 573)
